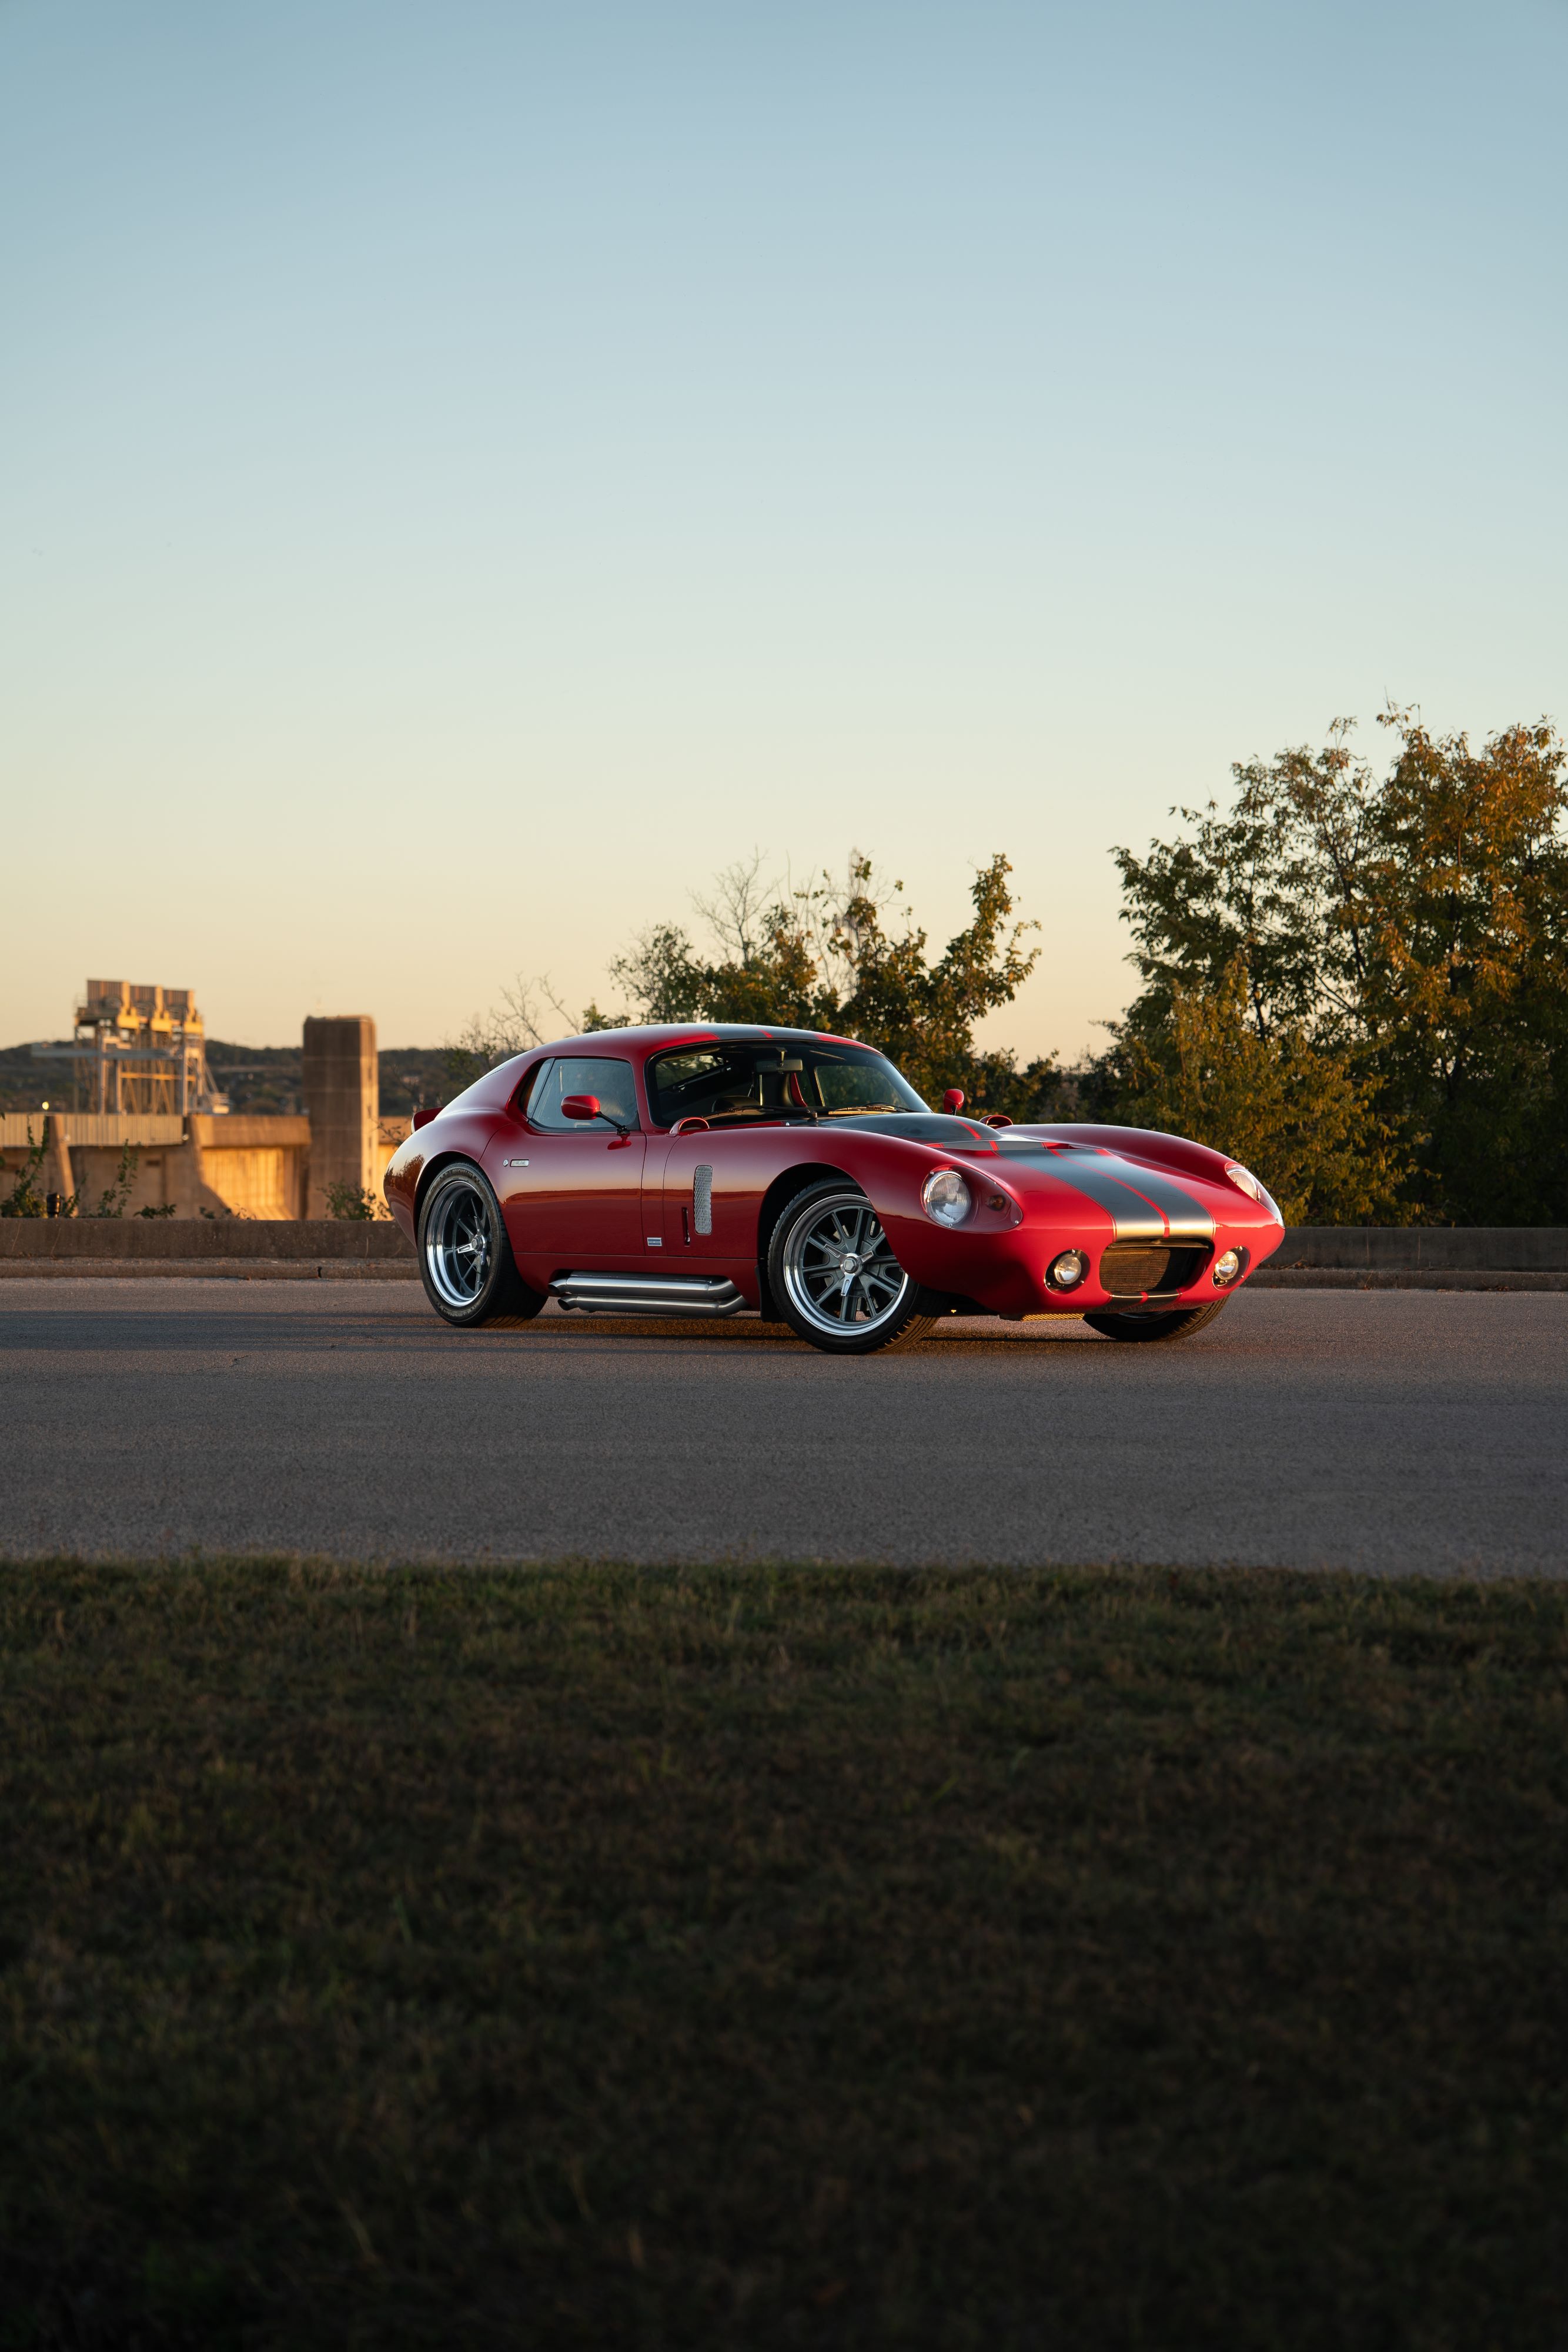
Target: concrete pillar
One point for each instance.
(56, 1174)
(340, 1095)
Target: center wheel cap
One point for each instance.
(850, 1263)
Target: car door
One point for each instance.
(714, 1181)
(572, 1191)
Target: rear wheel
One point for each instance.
(1154, 1322)
(465, 1259)
(832, 1272)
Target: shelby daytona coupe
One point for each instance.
(698, 1171)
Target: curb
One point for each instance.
(212, 1269)
(290, 1269)
(1345, 1278)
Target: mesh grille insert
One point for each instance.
(1137, 1269)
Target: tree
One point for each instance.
(1413, 929)
(514, 1026)
(1296, 1113)
(835, 958)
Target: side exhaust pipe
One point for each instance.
(645, 1293)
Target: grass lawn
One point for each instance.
(599, 1957)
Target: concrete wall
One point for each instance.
(90, 1241)
(217, 1167)
(1436, 1249)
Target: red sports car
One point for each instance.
(691, 1171)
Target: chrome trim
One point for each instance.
(702, 1198)
(646, 1293)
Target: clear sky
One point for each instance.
(469, 471)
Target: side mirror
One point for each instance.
(423, 1117)
(954, 1098)
(579, 1106)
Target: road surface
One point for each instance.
(1389, 1431)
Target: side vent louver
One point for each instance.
(702, 1200)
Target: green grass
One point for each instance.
(598, 1956)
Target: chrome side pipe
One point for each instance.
(645, 1293)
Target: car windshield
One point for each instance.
(797, 1078)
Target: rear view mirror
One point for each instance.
(579, 1106)
(954, 1098)
(423, 1117)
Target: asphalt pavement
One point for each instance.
(1390, 1430)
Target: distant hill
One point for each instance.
(261, 1079)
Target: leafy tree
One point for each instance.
(1411, 929)
(1464, 1002)
(1296, 1112)
(837, 959)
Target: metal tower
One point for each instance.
(139, 1050)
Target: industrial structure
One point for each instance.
(155, 1138)
(138, 1052)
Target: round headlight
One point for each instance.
(946, 1196)
(1066, 1272)
(1245, 1182)
(1226, 1267)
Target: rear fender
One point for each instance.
(421, 1156)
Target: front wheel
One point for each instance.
(832, 1272)
(1145, 1323)
(465, 1259)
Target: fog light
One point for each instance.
(946, 1197)
(1066, 1272)
(1227, 1267)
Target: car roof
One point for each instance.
(665, 1034)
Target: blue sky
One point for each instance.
(470, 471)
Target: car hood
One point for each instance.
(1144, 1200)
(1144, 1203)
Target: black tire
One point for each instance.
(853, 1303)
(1152, 1323)
(465, 1259)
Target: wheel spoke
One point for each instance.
(458, 1247)
(840, 1268)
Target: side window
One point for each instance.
(701, 1081)
(611, 1081)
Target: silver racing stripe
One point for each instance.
(1143, 1205)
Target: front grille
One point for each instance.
(1148, 1269)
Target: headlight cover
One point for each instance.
(945, 1197)
(1245, 1182)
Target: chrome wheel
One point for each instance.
(839, 1273)
(457, 1245)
